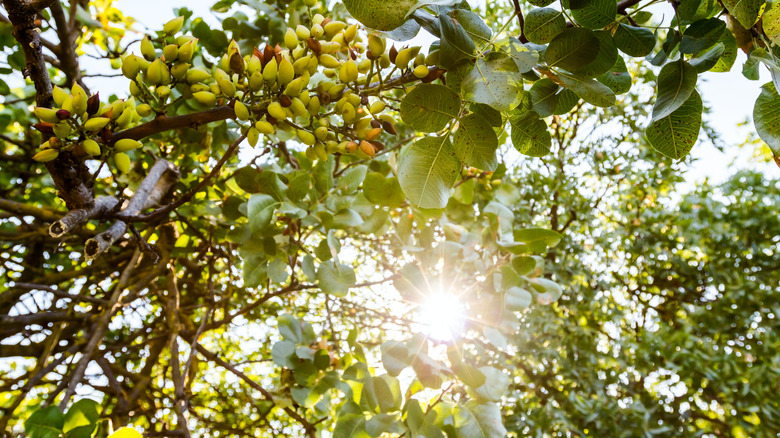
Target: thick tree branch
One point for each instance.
(130, 216)
(69, 62)
(164, 123)
(161, 177)
(78, 217)
(22, 209)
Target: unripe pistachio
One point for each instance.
(253, 65)
(264, 127)
(179, 70)
(290, 38)
(67, 104)
(134, 90)
(373, 134)
(46, 115)
(270, 71)
(419, 59)
(173, 26)
(62, 129)
(384, 61)
(163, 91)
(154, 74)
(76, 90)
(205, 97)
(317, 19)
(46, 155)
(338, 40)
(301, 64)
(351, 147)
(127, 144)
(406, 55)
(302, 32)
(276, 111)
(147, 49)
(309, 3)
(226, 87)
(376, 45)
(79, 104)
(286, 72)
(329, 61)
(348, 112)
(59, 95)
(305, 137)
(321, 133)
(184, 39)
(364, 66)
(317, 31)
(377, 107)
(242, 112)
(294, 88)
(91, 147)
(256, 81)
(130, 67)
(348, 72)
(314, 105)
(298, 108)
(143, 109)
(171, 52)
(350, 33)
(122, 162)
(197, 74)
(186, 50)
(96, 124)
(432, 58)
(224, 62)
(333, 27)
(252, 136)
(421, 71)
(320, 151)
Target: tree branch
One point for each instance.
(164, 123)
(69, 62)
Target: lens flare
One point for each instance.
(442, 316)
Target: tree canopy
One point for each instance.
(302, 222)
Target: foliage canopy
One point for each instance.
(243, 241)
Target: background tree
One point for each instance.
(191, 290)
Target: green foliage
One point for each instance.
(322, 186)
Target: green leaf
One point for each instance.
(675, 134)
(475, 143)
(541, 3)
(383, 191)
(565, 101)
(335, 279)
(524, 57)
(430, 107)
(543, 24)
(45, 423)
(707, 60)
(495, 80)
(517, 298)
(618, 79)
(634, 41)
(770, 21)
(701, 35)
(572, 49)
(395, 357)
(455, 45)
(388, 392)
(729, 56)
(676, 82)
(322, 174)
(547, 291)
(529, 134)
(766, 117)
(692, 10)
(81, 419)
(478, 420)
(496, 384)
(381, 14)
(428, 170)
(473, 24)
(590, 90)
(745, 11)
(543, 93)
(260, 211)
(290, 328)
(604, 60)
(537, 239)
(283, 354)
(593, 14)
(469, 375)
(351, 179)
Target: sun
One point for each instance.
(443, 316)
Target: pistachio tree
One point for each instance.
(238, 243)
